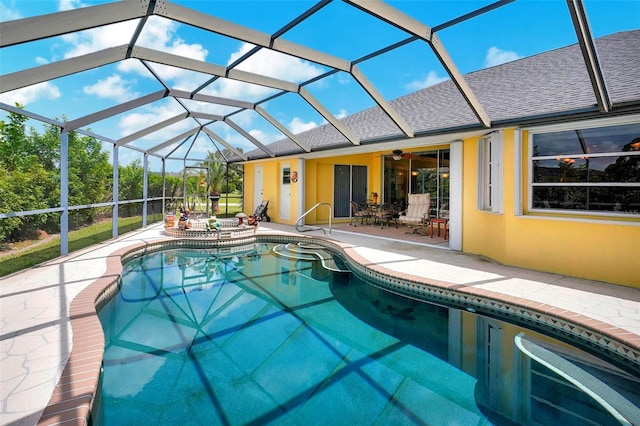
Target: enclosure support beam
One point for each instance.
(184, 183)
(588, 47)
(145, 188)
(164, 187)
(226, 202)
(206, 195)
(64, 193)
(116, 200)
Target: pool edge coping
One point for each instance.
(72, 400)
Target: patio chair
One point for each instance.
(386, 213)
(359, 211)
(261, 212)
(417, 212)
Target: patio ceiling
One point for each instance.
(201, 111)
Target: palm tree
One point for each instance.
(217, 174)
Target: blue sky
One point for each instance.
(520, 29)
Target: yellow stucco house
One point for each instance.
(552, 185)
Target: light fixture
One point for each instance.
(396, 154)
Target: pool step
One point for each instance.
(309, 252)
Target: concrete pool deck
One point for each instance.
(36, 334)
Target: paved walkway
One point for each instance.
(35, 335)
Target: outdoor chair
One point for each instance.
(386, 213)
(261, 212)
(359, 211)
(417, 212)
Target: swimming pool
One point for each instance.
(275, 334)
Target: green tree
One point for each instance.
(91, 175)
(25, 183)
(13, 142)
(30, 178)
(221, 179)
(130, 179)
(89, 171)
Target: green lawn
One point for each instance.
(224, 210)
(78, 239)
(88, 236)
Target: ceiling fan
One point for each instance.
(397, 154)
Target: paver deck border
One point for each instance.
(72, 400)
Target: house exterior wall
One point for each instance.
(592, 247)
(321, 180)
(271, 179)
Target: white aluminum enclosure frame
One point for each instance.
(21, 31)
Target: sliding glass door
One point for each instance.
(350, 183)
(418, 173)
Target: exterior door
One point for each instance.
(285, 191)
(258, 190)
(349, 183)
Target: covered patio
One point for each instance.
(412, 234)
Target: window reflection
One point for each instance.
(601, 166)
(586, 141)
(418, 173)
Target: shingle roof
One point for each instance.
(551, 83)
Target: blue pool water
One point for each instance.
(251, 337)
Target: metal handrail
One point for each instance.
(299, 225)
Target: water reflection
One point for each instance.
(249, 337)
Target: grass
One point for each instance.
(232, 210)
(78, 239)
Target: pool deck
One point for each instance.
(36, 333)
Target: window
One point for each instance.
(490, 173)
(586, 169)
(286, 176)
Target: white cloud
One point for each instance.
(342, 114)
(276, 64)
(265, 62)
(297, 125)
(113, 87)
(133, 122)
(233, 89)
(431, 79)
(497, 56)
(344, 78)
(236, 140)
(70, 4)
(24, 96)
(259, 135)
(100, 38)
(160, 34)
(9, 11)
